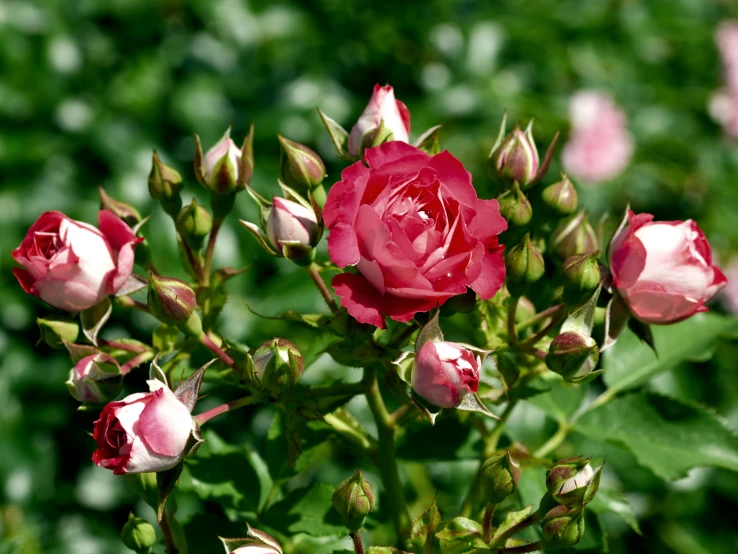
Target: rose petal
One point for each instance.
(343, 246)
(389, 152)
(360, 298)
(488, 222)
(492, 274)
(165, 424)
(456, 179)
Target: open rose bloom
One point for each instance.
(663, 269)
(417, 233)
(444, 373)
(72, 265)
(383, 109)
(144, 432)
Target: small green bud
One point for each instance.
(572, 481)
(573, 355)
(515, 207)
(165, 183)
(562, 527)
(138, 535)
(225, 169)
(56, 329)
(561, 197)
(581, 276)
(300, 167)
(574, 235)
(499, 476)
(524, 264)
(194, 224)
(353, 499)
(171, 301)
(276, 365)
(124, 211)
(515, 159)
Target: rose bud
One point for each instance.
(138, 535)
(515, 207)
(353, 499)
(72, 265)
(126, 212)
(574, 235)
(445, 372)
(515, 160)
(573, 355)
(225, 168)
(257, 542)
(292, 229)
(561, 197)
(56, 329)
(146, 431)
(384, 119)
(499, 476)
(171, 301)
(193, 225)
(573, 481)
(562, 527)
(525, 266)
(165, 184)
(276, 365)
(663, 269)
(582, 273)
(95, 379)
(300, 167)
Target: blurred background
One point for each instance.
(89, 87)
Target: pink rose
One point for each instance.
(723, 108)
(417, 233)
(291, 228)
(663, 269)
(72, 265)
(382, 108)
(144, 432)
(726, 38)
(223, 157)
(444, 373)
(600, 146)
(730, 294)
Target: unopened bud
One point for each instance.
(499, 476)
(515, 159)
(574, 236)
(524, 264)
(353, 499)
(194, 224)
(561, 197)
(225, 169)
(562, 527)
(277, 365)
(515, 207)
(292, 229)
(165, 184)
(581, 276)
(300, 167)
(95, 379)
(573, 355)
(56, 329)
(124, 211)
(572, 481)
(171, 301)
(138, 535)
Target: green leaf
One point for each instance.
(630, 363)
(420, 442)
(94, 318)
(307, 510)
(461, 536)
(665, 435)
(608, 500)
(165, 483)
(472, 403)
(563, 399)
(165, 338)
(511, 520)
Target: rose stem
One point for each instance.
(123, 346)
(194, 262)
(134, 362)
(512, 335)
(487, 526)
(386, 453)
(207, 341)
(532, 547)
(210, 250)
(128, 302)
(515, 529)
(325, 293)
(228, 406)
(358, 546)
(543, 332)
(538, 317)
(166, 531)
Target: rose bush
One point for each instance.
(444, 373)
(72, 265)
(663, 269)
(414, 228)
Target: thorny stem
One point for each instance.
(532, 547)
(512, 335)
(487, 525)
(210, 250)
(208, 342)
(322, 287)
(358, 546)
(135, 362)
(204, 417)
(193, 261)
(166, 531)
(137, 348)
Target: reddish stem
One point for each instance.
(207, 341)
(137, 348)
(134, 362)
(358, 545)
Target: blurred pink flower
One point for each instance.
(723, 104)
(600, 146)
(730, 292)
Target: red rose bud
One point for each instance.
(525, 266)
(353, 499)
(171, 301)
(300, 167)
(126, 212)
(574, 235)
(573, 355)
(95, 379)
(165, 184)
(516, 158)
(193, 225)
(146, 431)
(225, 168)
(573, 481)
(276, 365)
(292, 229)
(562, 527)
(663, 270)
(515, 207)
(384, 119)
(561, 197)
(499, 476)
(72, 265)
(138, 535)
(445, 372)
(56, 329)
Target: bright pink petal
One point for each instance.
(627, 262)
(404, 114)
(24, 278)
(165, 424)
(353, 180)
(360, 298)
(390, 152)
(343, 247)
(488, 222)
(452, 173)
(492, 275)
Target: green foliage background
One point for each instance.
(89, 87)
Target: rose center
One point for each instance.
(116, 436)
(47, 244)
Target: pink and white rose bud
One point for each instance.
(220, 166)
(72, 265)
(663, 269)
(444, 373)
(292, 228)
(95, 378)
(383, 110)
(144, 432)
(600, 146)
